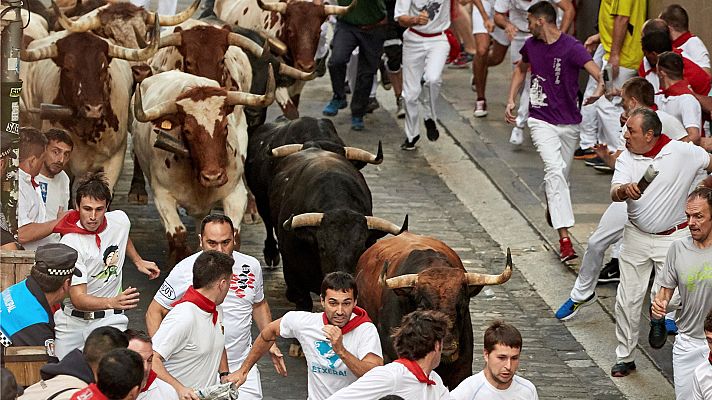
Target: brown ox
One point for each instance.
(410, 272)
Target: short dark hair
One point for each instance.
(340, 281)
(708, 321)
(391, 397)
(210, 267)
(119, 371)
(502, 333)
(640, 89)
(418, 333)
(59, 135)
(132, 334)
(676, 17)
(650, 120)
(217, 218)
(32, 143)
(101, 341)
(94, 185)
(655, 25)
(657, 42)
(48, 283)
(702, 192)
(543, 9)
(672, 64)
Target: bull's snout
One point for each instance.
(93, 111)
(213, 178)
(306, 66)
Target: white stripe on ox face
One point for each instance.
(206, 112)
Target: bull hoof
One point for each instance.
(251, 219)
(272, 260)
(138, 195)
(295, 350)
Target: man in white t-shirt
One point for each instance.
(656, 217)
(102, 241)
(677, 99)
(498, 379)
(189, 346)
(340, 344)
(53, 181)
(418, 342)
(152, 387)
(244, 302)
(702, 377)
(692, 47)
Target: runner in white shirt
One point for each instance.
(702, 377)
(245, 300)
(102, 241)
(498, 379)
(692, 47)
(340, 344)
(152, 387)
(655, 219)
(677, 99)
(418, 341)
(53, 181)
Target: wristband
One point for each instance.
(224, 373)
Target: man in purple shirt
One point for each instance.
(555, 59)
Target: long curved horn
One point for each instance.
(128, 54)
(49, 51)
(254, 100)
(474, 279)
(356, 154)
(383, 225)
(402, 281)
(174, 39)
(295, 73)
(278, 47)
(83, 24)
(152, 113)
(170, 20)
(338, 10)
(273, 6)
(235, 39)
(303, 220)
(287, 149)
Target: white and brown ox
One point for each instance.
(91, 80)
(188, 148)
(297, 23)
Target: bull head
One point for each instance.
(93, 21)
(351, 153)
(314, 219)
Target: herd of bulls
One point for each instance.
(194, 101)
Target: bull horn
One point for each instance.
(303, 220)
(171, 20)
(153, 113)
(273, 6)
(402, 281)
(49, 51)
(296, 73)
(83, 24)
(382, 225)
(474, 279)
(166, 141)
(235, 39)
(277, 46)
(174, 39)
(254, 100)
(356, 154)
(338, 10)
(128, 54)
(287, 149)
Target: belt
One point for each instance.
(368, 27)
(90, 315)
(423, 34)
(672, 230)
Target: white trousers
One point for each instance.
(252, 388)
(423, 58)
(608, 232)
(556, 145)
(71, 332)
(687, 354)
(640, 253)
(515, 56)
(589, 119)
(609, 111)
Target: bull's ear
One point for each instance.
(227, 27)
(405, 291)
(473, 291)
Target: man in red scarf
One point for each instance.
(118, 377)
(691, 46)
(152, 387)
(656, 217)
(340, 345)
(419, 343)
(677, 98)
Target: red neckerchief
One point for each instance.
(642, 72)
(34, 182)
(90, 392)
(677, 89)
(361, 317)
(68, 224)
(682, 39)
(654, 107)
(415, 369)
(151, 377)
(662, 141)
(193, 296)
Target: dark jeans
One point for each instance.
(370, 43)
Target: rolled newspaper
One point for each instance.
(648, 177)
(224, 391)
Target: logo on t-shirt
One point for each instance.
(432, 9)
(43, 190)
(325, 350)
(537, 97)
(111, 264)
(240, 282)
(167, 290)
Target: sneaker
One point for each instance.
(670, 326)
(432, 128)
(400, 110)
(357, 124)
(566, 250)
(481, 108)
(610, 272)
(372, 105)
(658, 334)
(409, 145)
(334, 106)
(517, 136)
(622, 369)
(581, 154)
(603, 168)
(460, 62)
(592, 162)
(570, 308)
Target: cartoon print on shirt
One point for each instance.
(240, 282)
(325, 350)
(537, 97)
(111, 261)
(432, 9)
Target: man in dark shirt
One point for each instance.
(8, 140)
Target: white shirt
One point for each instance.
(191, 345)
(702, 382)
(438, 11)
(55, 194)
(159, 390)
(685, 108)
(393, 378)
(101, 268)
(695, 50)
(672, 128)
(517, 10)
(477, 387)
(31, 209)
(246, 290)
(662, 205)
(326, 372)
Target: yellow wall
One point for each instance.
(700, 12)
